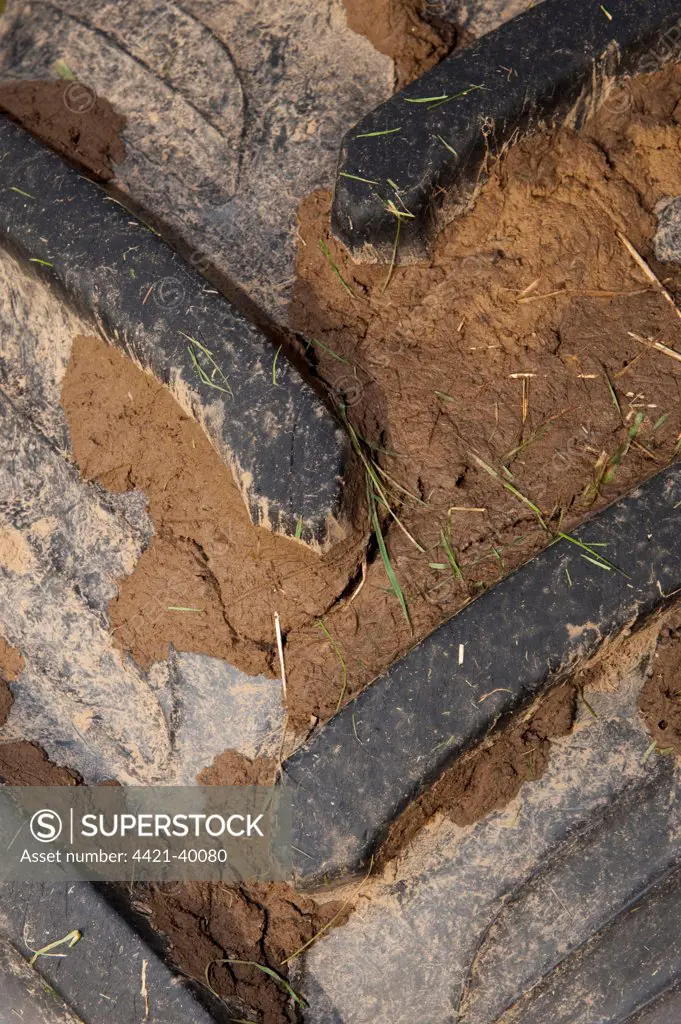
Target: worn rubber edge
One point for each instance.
(103, 971)
(492, 659)
(287, 451)
(408, 162)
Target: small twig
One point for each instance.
(657, 345)
(652, 277)
(280, 649)
(144, 991)
(361, 583)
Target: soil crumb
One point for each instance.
(231, 768)
(660, 702)
(492, 775)
(209, 581)
(71, 119)
(404, 31)
(25, 764)
(11, 662)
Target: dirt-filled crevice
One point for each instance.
(261, 922)
(408, 31)
(492, 775)
(265, 922)
(71, 119)
(660, 702)
(516, 356)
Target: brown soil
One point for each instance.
(661, 697)
(430, 366)
(11, 667)
(231, 768)
(11, 663)
(25, 764)
(401, 30)
(262, 922)
(127, 431)
(266, 922)
(69, 118)
(490, 777)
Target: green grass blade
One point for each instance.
(390, 572)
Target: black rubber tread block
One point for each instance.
(287, 451)
(431, 142)
(100, 980)
(624, 969)
(24, 995)
(495, 657)
(598, 876)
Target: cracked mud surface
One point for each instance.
(265, 922)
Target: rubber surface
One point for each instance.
(430, 144)
(100, 980)
(286, 449)
(528, 632)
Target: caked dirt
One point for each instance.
(408, 31)
(489, 778)
(661, 696)
(266, 922)
(509, 358)
(70, 118)
(209, 581)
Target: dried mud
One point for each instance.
(207, 923)
(406, 31)
(511, 348)
(660, 702)
(490, 777)
(232, 768)
(265, 922)
(22, 763)
(209, 581)
(71, 119)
